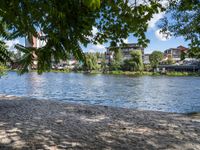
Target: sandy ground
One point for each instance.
(40, 124)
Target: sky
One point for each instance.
(157, 41)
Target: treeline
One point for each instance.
(118, 62)
(98, 62)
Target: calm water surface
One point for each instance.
(170, 94)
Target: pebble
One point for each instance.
(42, 124)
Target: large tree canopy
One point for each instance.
(67, 24)
(155, 58)
(183, 19)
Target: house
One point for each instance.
(146, 59)
(175, 53)
(35, 42)
(125, 49)
(187, 65)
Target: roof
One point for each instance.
(126, 45)
(180, 48)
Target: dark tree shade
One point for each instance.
(4, 54)
(67, 24)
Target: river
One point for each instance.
(159, 93)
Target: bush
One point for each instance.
(155, 58)
(135, 63)
(147, 67)
(3, 69)
(174, 73)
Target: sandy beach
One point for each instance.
(27, 123)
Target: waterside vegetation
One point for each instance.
(3, 70)
(96, 64)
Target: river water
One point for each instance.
(160, 93)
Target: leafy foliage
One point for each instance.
(3, 70)
(183, 20)
(117, 61)
(4, 54)
(67, 25)
(155, 58)
(183, 55)
(135, 63)
(104, 65)
(90, 62)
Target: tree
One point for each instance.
(90, 62)
(2, 70)
(155, 58)
(170, 60)
(67, 25)
(104, 66)
(183, 55)
(4, 58)
(182, 19)
(117, 61)
(135, 63)
(4, 54)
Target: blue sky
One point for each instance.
(157, 41)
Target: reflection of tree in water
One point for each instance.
(35, 84)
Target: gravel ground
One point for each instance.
(27, 123)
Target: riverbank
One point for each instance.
(130, 73)
(142, 73)
(27, 123)
(146, 73)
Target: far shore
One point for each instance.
(130, 73)
(28, 123)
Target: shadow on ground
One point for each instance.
(40, 124)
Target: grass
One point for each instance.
(128, 73)
(146, 73)
(135, 73)
(182, 74)
(63, 71)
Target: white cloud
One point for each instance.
(97, 48)
(162, 36)
(11, 44)
(94, 31)
(148, 51)
(155, 19)
(138, 2)
(165, 3)
(125, 40)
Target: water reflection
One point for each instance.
(34, 84)
(172, 94)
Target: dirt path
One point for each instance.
(40, 124)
